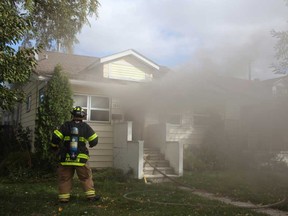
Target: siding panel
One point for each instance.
(101, 156)
(128, 68)
(185, 133)
(100, 164)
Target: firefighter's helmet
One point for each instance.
(78, 112)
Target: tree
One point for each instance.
(58, 21)
(53, 111)
(15, 66)
(39, 24)
(281, 52)
(281, 48)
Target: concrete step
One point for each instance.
(159, 178)
(160, 163)
(151, 151)
(154, 157)
(152, 171)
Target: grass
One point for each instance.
(39, 198)
(258, 187)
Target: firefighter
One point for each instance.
(70, 143)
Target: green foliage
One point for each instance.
(53, 112)
(281, 48)
(221, 150)
(212, 153)
(256, 186)
(112, 203)
(14, 139)
(16, 164)
(110, 174)
(7, 140)
(16, 157)
(57, 21)
(23, 138)
(39, 24)
(15, 66)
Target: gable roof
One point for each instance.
(86, 68)
(71, 63)
(127, 53)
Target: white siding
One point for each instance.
(101, 156)
(127, 68)
(27, 118)
(184, 134)
(187, 133)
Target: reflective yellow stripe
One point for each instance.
(64, 196)
(58, 133)
(83, 156)
(72, 164)
(92, 137)
(67, 138)
(90, 192)
(82, 139)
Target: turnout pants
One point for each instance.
(65, 178)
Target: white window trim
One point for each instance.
(88, 107)
(28, 102)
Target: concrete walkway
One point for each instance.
(268, 211)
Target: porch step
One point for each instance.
(151, 151)
(157, 160)
(152, 171)
(158, 178)
(157, 163)
(153, 154)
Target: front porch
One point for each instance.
(150, 163)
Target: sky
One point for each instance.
(227, 37)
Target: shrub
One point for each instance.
(52, 112)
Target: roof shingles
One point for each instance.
(71, 64)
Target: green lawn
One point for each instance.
(40, 197)
(258, 187)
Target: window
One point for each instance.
(96, 107)
(28, 102)
(81, 100)
(41, 95)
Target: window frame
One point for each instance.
(28, 102)
(88, 107)
(41, 92)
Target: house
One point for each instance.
(140, 108)
(105, 87)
